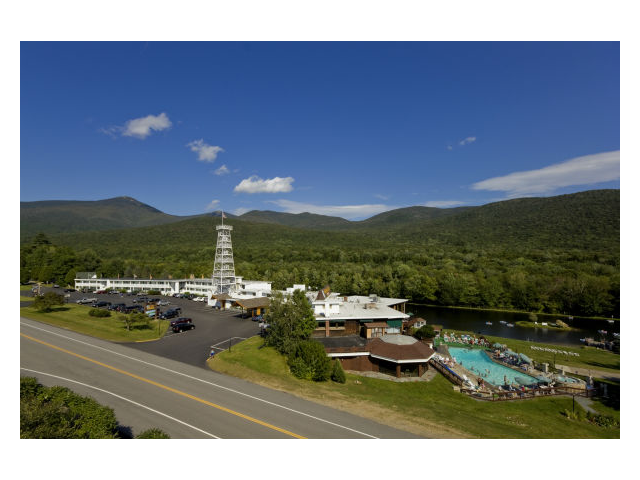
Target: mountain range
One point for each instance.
(588, 218)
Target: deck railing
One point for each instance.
(511, 395)
(529, 393)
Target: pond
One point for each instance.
(476, 321)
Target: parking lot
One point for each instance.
(218, 328)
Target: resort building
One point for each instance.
(170, 286)
(356, 314)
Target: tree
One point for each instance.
(338, 375)
(290, 320)
(426, 331)
(310, 362)
(47, 301)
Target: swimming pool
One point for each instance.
(478, 362)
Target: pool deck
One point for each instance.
(444, 350)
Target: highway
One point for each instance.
(183, 400)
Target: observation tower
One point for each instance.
(224, 272)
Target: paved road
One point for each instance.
(186, 401)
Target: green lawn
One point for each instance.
(76, 317)
(431, 409)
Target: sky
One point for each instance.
(348, 129)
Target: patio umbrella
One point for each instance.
(497, 345)
(523, 381)
(524, 358)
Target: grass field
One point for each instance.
(76, 317)
(431, 409)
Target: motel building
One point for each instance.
(244, 289)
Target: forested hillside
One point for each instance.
(58, 216)
(558, 254)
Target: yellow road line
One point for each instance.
(165, 387)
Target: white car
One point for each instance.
(87, 300)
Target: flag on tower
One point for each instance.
(223, 215)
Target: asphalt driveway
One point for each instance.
(221, 329)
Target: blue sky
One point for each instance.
(346, 129)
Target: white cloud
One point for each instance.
(254, 184)
(449, 147)
(443, 203)
(212, 205)
(467, 140)
(142, 127)
(240, 210)
(206, 153)
(223, 170)
(381, 197)
(349, 212)
(139, 127)
(586, 170)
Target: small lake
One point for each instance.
(475, 321)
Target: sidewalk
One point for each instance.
(590, 372)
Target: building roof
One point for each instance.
(397, 352)
(222, 296)
(257, 302)
(383, 300)
(417, 352)
(361, 311)
(376, 324)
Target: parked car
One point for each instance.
(100, 304)
(87, 300)
(116, 306)
(257, 318)
(162, 303)
(182, 327)
(180, 321)
(69, 290)
(169, 314)
(56, 286)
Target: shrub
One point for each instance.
(96, 312)
(426, 331)
(602, 420)
(338, 374)
(309, 361)
(152, 433)
(57, 412)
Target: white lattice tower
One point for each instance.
(224, 273)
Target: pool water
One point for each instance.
(478, 362)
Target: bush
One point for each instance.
(338, 374)
(605, 421)
(96, 312)
(57, 412)
(309, 361)
(154, 292)
(152, 433)
(426, 331)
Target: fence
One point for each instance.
(511, 395)
(530, 393)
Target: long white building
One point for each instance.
(170, 286)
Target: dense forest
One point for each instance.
(554, 255)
